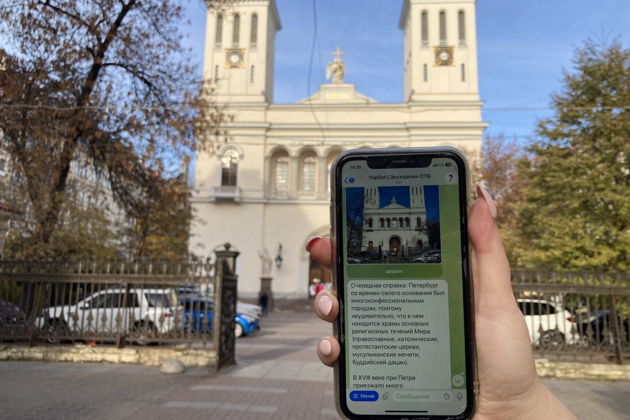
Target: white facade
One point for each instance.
(268, 186)
(391, 226)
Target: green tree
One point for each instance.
(576, 208)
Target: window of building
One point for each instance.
(424, 28)
(216, 73)
(442, 27)
(389, 222)
(229, 168)
(369, 222)
(236, 30)
(218, 36)
(418, 222)
(308, 172)
(253, 37)
(461, 21)
(406, 222)
(463, 72)
(251, 74)
(382, 222)
(425, 72)
(280, 172)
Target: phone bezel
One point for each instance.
(338, 248)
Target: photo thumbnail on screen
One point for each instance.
(393, 224)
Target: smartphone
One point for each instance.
(400, 271)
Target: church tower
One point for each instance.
(240, 48)
(416, 195)
(440, 52)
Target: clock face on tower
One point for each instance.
(443, 56)
(234, 58)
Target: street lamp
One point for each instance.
(279, 257)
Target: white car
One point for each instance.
(249, 309)
(549, 324)
(108, 312)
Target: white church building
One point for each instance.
(266, 191)
(393, 226)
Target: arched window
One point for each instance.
(406, 222)
(253, 37)
(382, 222)
(369, 222)
(308, 172)
(229, 167)
(280, 172)
(218, 36)
(389, 222)
(424, 28)
(442, 27)
(236, 30)
(461, 24)
(400, 222)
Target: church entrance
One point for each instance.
(317, 275)
(394, 244)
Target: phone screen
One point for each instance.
(406, 339)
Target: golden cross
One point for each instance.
(338, 53)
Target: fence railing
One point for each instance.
(120, 302)
(576, 315)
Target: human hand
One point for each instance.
(509, 385)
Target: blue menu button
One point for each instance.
(364, 396)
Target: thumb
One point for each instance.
(491, 270)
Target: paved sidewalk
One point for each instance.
(278, 376)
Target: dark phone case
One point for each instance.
(336, 266)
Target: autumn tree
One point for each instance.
(161, 228)
(499, 174)
(576, 212)
(105, 81)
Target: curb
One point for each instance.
(81, 353)
(582, 371)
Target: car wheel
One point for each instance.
(238, 330)
(146, 333)
(551, 340)
(53, 329)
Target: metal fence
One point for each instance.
(576, 315)
(121, 302)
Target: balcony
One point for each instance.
(227, 193)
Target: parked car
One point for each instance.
(12, 318)
(150, 311)
(596, 327)
(199, 315)
(550, 325)
(429, 257)
(242, 307)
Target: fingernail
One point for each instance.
(483, 193)
(324, 304)
(324, 348)
(311, 241)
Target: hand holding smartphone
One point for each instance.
(401, 275)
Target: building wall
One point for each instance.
(253, 215)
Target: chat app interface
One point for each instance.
(405, 342)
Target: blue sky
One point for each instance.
(522, 48)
